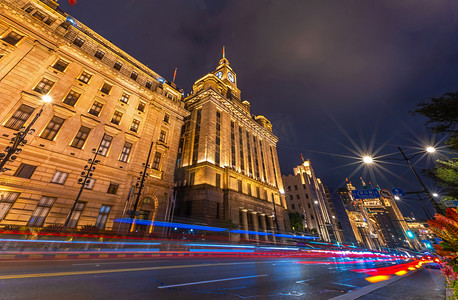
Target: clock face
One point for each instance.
(219, 74)
(231, 77)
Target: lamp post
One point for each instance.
(425, 189)
(19, 139)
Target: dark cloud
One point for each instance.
(322, 71)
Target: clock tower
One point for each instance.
(225, 73)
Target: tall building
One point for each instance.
(306, 195)
(228, 170)
(102, 98)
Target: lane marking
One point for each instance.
(123, 262)
(301, 281)
(349, 285)
(38, 275)
(209, 281)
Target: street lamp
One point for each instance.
(367, 159)
(435, 195)
(19, 140)
(430, 149)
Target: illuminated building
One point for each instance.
(306, 195)
(101, 96)
(228, 170)
(376, 222)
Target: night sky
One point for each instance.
(334, 77)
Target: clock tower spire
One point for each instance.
(225, 72)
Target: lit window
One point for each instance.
(117, 116)
(20, 116)
(99, 54)
(60, 65)
(117, 65)
(103, 217)
(85, 77)
(52, 128)
(125, 152)
(157, 161)
(76, 214)
(162, 136)
(81, 137)
(6, 201)
(141, 106)
(41, 211)
(25, 171)
(134, 75)
(134, 126)
(59, 177)
(106, 88)
(12, 38)
(78, 42)
(105, 144)
(44, 86)
(96, 108)
(39, 15)
(71, 98)
(124, 98)
(113, 188)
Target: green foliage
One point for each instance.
(295, 221)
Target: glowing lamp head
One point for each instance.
(430, 149)
(46, 98)
(316, 202)
(367, 160)
(435, 195)
(397, 198)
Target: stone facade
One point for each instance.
(98, 92)
(228, 170)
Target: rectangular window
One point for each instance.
(89, 185)
(74, 218)
(85, 77)
(113, 188)
(44, 86)
(134, 126)
(59, 177)
(106, 88)
(248, 146)
(192, 177)
(12, 38)
(195, 151)
(157, 161)
(49, 21)
(71, 98)
(141, 106)
(242, 158)
(96, 108)
(162, 136)
(124, 98)
(52, 128)
(20, 116)
(105, 144)
(80, 138)
(218, 180)
(41, 211)
(29, 9)
(25, 171)
(99, 54)
(79, 42)
(218, 139)
(103, 217)
(166, 118)
(125, 152)
(240, 185)
(258, 192)
(117, 116)
(233, 158)
(6, 201)
(298, 196)
(117, 65)
(60, 65)
(134, 75)
(249, 189)
(39, 15)
(148, 85)
(292, 206)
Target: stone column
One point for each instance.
(244, 222)
(254, 218)
(262, 218)
(270, 221)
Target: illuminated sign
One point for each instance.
(366, 194)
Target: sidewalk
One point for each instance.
(424, 284)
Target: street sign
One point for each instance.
(450, 203)
(398, 192)
(366, 194)
(386, 193)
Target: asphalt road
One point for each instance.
(188, 278)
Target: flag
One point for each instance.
(174, 75)
(72, 2)
(302, 158)
(364, 184)
(224, 54)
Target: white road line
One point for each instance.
(209, 281)
(124, 262)
(301, 281)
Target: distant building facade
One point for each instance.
(102, 98)
(228, 170)
(307, 196)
